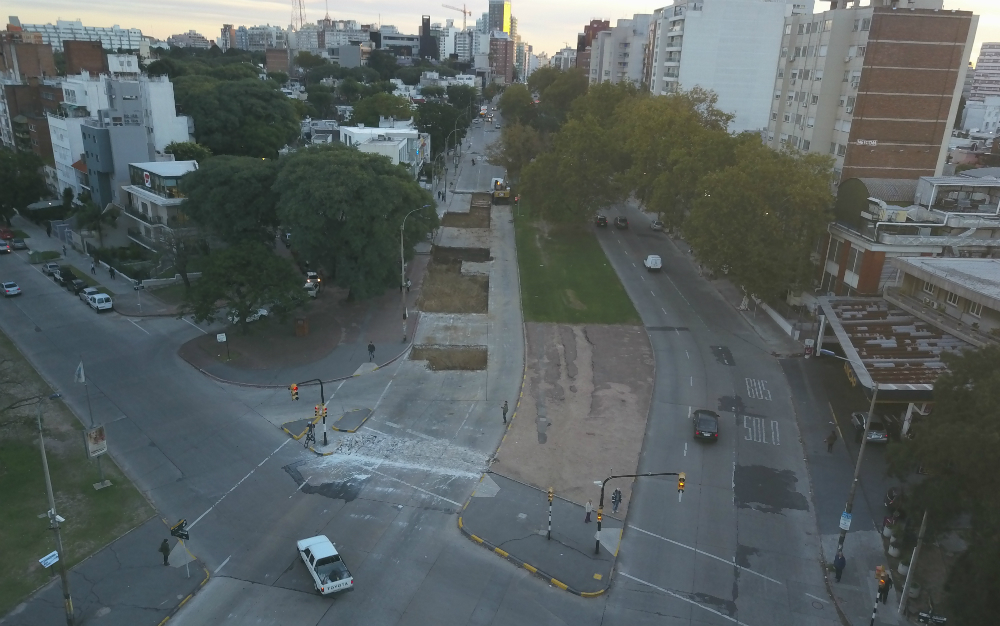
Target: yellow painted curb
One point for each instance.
(501, 552)
(561, 585)
(530, 568)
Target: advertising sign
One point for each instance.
(97, 441)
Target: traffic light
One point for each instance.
(600, 516)
(294, 389)
(316, 411)
(551, 495)
(324, 412)
(681, 477)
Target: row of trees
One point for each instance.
(746, 209)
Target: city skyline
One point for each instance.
(548, 27)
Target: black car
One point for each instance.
(621, 223)
(602, 222)
(706, 424)
(76, 286)
(877, 432)
(61, 279)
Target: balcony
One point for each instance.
(149, 220)
(928, 312)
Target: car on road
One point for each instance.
(313, 277)
(18, 244)
(706, 424)
(50, 268)
(5, 247)
(877, 432)
(602, 222)
(312, 289)
(656, 225)
(86, 292)
(76, 286)
(11, 289)
(328, 570)
(621, 223)
(100, 302)
(653, 263)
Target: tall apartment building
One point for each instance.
(261, 38)
(111, 37)
(585, 40)
(986, 81)
(190, 39)
(618, 55)
(877, 87)
(502, 57)
(499, 16)
(227, 38)
(21, 57)
(83, 95)
(564, 59)
(727, 46)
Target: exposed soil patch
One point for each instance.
(477, 217)
(447, 290)
(448, 255)
(451, 357)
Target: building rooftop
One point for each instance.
(168, 169)
(982, 172)
(978, 276)
(891, 190)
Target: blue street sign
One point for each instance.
(49, 559)
(845, 521)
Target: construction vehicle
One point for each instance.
(501, 191)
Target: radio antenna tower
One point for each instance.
(298, 14)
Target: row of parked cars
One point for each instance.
(63, 276)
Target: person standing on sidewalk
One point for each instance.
(588, 508)
(93, 268)
(884, 586)
(839, 563)
(371, 352)
(64, 249)
(165, 551)
(504, 408)
(616, 499)
(831, 439)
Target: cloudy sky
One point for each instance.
(547, 25)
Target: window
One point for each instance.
(802, 29)
(784, 52)
(975, 309)
(787, 117)
(805, 74)
(856, 23)
(818, 75)
(783, 138)
(841, 150)
(795, 73)
(810, 122)
(928, 288)
(811, 51)
(833, 148)
(788, 29)
(781, 72)
(866, 24)
(777, 94)
(854, 259)
(815, 99)
(862, 50)
(805, 144)
(828, 25)
(952, 298)
(798, 120)
(850, 101)
(822, 51)
(847, 76)
(774, 116)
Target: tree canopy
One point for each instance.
(188, 151)
(232, 198)
(517, 147)
(368, 110)
(440, 121)
(345, 208)
(21, 181)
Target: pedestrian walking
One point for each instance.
(883, 588)
(407, 285)
(48, 229)
(165, 551)
(93, 268)
(839, 563)
(371, 351)
(504, 407)
(616, 499)
(64, 249)
(588, 508)
(831, 439)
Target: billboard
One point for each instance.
(96, 440)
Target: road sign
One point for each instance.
(177, 530)
(49, 559)
(221, 337)
(845, 521)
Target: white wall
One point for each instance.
(67, 147)
(168, 127)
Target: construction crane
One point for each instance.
(463, 11)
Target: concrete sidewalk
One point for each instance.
(511, 519)
(128, 575)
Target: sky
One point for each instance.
(548, 25)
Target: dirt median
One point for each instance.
(584, 409)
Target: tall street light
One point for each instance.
(845, 520)
(54, 519)
(402, 267)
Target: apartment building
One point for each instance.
(502, 57)
(111, 37)
(618, 55)
(727, 46)
(877, 87)
(564, 59)
(152, 200)
(986, 79)
(585, 40)
(499, 16)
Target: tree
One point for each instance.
(93, 218)
(957, 447)
(232, 198)
(518, 146)
(188, 151)
(248, 117)
(542, 78)
(308, 60)
(462, 97)
(761, 218)
(368, 110)
(432, 91)
(244, 279)
(384, 63)
(516, 104)
(602, 101)
(440, 121)
(349, 90)
(345, 207)
(567, 87)
(321, 97)
(21, 181)
(279, 77)
(490, 91)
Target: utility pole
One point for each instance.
(54, 519)
(849, 506)
(913, 565)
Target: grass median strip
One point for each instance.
(565, 277)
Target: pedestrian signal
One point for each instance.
(551, 495)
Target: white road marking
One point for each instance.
(633, 264)
(643, 278)
(758, 389)
(703, 553)
(820, 599)
(231, 556)
(680, 597)
(139, 327)
(651, 291)
(685, 449)
(382, 396)
(417, 488)
(688, 354)
(204, 332)
(664, 310)
(756, 430)
(472, 406)
(209, 509)
(692, 381)
(299, 488)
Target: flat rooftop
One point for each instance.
(975, 276)
(168, 169)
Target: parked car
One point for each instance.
(602, 222)
(877, 432)
(653, 263)
(18, 244)
(76, 286)
(313, 277)
(60, 279)
(6, 233)
(50, 268)
(656, 225)
(706, 424)
(621, 223)
(11, 289)
(328, 570)
(312, 289)
(252, 317)
(100, 302)
(86, 292)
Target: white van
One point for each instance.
(100, 302)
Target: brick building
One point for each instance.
(585, 40)
(502, 57)
(85, 56)
(877, 87)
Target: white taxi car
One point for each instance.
(328, 571)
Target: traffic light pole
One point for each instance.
(322, 399)
(849, 506)
(600, 503)
(551, 494)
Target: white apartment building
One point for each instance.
(617, 55)
(112, 38)
(83, 96)
(464, 45)
(399, 141)
(447, 38)
(982, 117)
(564, 59)
(728, 46)
(986, 81)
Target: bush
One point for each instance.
(42, 256)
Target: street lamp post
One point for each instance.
(849, 506)
(54, 519)
(402, 267)
(600, 503)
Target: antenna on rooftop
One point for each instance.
(298, 14)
